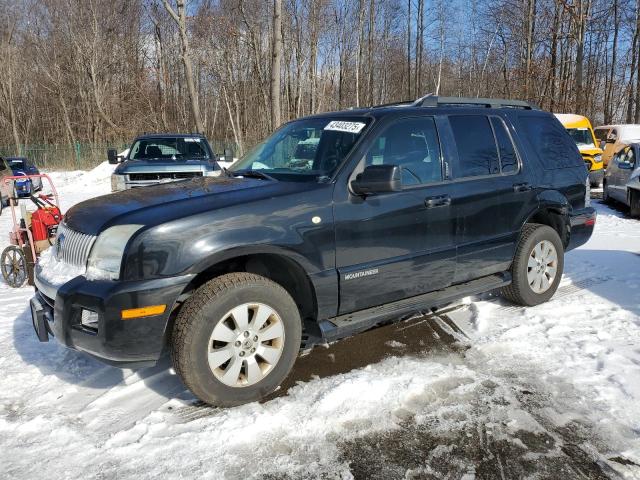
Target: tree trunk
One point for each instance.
(181, 20)
(358, 71)
(409, 49)
(276, 62)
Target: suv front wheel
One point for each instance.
(236, 339)
(537, 266)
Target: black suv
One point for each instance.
(398, 209)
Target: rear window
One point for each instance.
(551, 142)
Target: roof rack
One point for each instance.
(394, 104)
(431, 100)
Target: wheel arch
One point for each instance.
(273, 263)
(553, 210)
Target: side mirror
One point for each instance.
(378, 179)
(612, 139)
(228, 155)
(112, 156)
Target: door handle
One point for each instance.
(439, 201)
(521, 187)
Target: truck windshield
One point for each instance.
(170, 148)
(582, 137)
(305, 150)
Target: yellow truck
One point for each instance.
(580, 129)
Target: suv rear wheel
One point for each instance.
(537, 267)
(236, 339)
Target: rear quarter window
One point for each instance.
(552, 144)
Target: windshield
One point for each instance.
(305, 150)
(18, 163)
(582, 137)
(170, 148)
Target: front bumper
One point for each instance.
(582, 223)
(57, 311)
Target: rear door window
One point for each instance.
(551, 142)
(477, 151)
(508, 155)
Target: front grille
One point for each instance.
(72, 247)
(150, 177)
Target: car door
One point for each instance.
(625, 165)
(398, 244)
(492, 194)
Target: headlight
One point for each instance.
(106, 255)
(597, 158)
(117, 182)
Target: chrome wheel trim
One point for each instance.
(246, 344)
(542, 266)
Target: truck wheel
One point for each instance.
(605, 193)
(537, 267)
(634, 204)
(236, 339)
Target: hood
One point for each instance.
(587, 150)
(156, 166)
(163, 203)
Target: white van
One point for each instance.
(613, 138)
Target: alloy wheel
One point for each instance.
(542, 266)
(246, 344)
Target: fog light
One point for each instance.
(89, 319)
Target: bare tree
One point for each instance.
(276, 62)
(180, 17)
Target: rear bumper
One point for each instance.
(582, 224)
(57, 311)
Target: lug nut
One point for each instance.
(242, 354)
(255, 339)
(253, 350)
(237, 344)
(246, 334)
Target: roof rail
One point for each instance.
(431, 100)
(394, 104)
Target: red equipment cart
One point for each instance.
(33, 232)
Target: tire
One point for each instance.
(207, 327)
(539, 238)
(634, 204)
(605, 194)
(13, 264)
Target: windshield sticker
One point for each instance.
(340, 126)
(191, 139)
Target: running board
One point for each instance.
(352, 323)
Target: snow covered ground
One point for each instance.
(486, 390)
